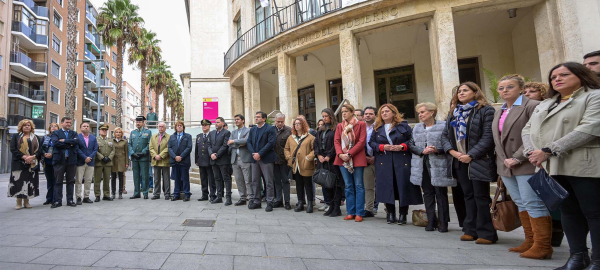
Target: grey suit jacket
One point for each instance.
(240, 144)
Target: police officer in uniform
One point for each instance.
(139, 145)
(202, 160)
(103, 165)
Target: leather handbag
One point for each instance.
(419, 218)
(325, 178)
(291, 171)
(550, 191)
(505, 213)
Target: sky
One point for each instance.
(169, 22)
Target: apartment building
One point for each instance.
(5, 24)
(36, 82)
(131, 107)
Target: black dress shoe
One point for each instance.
(107, 199)
(254, 205)
(228, 201)
(56, 204)
(47, 202)
(97, 199)
(87, 200)
(78, 201)
(392, 218)
(269, 207)
(186, 199)
(203, 198)
(174, 198)
(402, 219)
(443, 227)
(145, 196)
(155, 197)
(368, 214)
(167, 198)
(240, 202)
(287, 206)
(217, 200)
(71, 203)
(577, 261)
(135, 197)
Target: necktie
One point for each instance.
(66, 137)
(178, 139)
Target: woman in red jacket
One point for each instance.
(350, 140)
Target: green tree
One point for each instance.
(118, 24)
(159, 78)
(145, 52)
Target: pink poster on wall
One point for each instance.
(210, 108)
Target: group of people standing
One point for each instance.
(375, 156)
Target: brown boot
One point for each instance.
(525, 221)
(19, 203)
(26, 203)
(542, 235)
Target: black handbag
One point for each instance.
(550, 191)
(291, 171)
(325, 178)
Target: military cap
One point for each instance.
(103, 127)
(140, 118)
(205, 122)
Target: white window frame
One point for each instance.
(59, 44)
(57, 117)
(61, 2)
(77, 37)
(76, 80)
(76, 101)
(78, 15)
(57, 95)
(60, 27)
(113, 72)
(59, 68)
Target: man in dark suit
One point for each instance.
(220, 160)
(202, 160)
(86, 154)
(261, 143)
(180, 148)
(64, 160)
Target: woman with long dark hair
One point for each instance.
(469, 141)
(325, 153)
(562, 137)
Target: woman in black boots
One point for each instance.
(325, 153)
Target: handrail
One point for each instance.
(282, 20)
(274, 111)
(337, 111)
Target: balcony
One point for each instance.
(91, 97)
(38, 11)
(289, 17)
(90, 15)
(89, 37)
(89, 76)
(89, 55)
(13, 121)
(18, 90)
(28, 38)
(21, 63)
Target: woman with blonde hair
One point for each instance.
(300, 155)
(535, 90)
(389, 141)
(26, 153)
(120, 162)
(47, 161)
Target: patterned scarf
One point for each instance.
(348, 139)
(461, 113)
(24, 147)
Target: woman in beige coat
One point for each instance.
(563, 137)
(303, 163)
(120, 162)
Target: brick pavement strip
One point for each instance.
(149, 234)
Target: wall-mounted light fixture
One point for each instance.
(305, 57)
(273, 70)
(512, 13)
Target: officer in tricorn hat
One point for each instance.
(139, 145)
(202, 160)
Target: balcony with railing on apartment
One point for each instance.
(23, 64)
(14, 119)
(90, 96)
(89, 76)
(21, 91)
(90, 38)
(38, 11)
(90, 14)
(28, 38)
(89, 55)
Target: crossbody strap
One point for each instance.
(296, 152)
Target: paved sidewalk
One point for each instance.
(146, 234)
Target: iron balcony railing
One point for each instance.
(14, 119)
(38, 10)
(21, 58)
(33, 94)
(19, 26)
(282, 20)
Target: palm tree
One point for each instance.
(145, 52)
(159, 77)
(71, 58)
(175, 100)
(118, 23)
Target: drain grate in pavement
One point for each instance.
(198, 223)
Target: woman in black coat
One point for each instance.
(469, 141)
(389, 140)
(47, 161)
(25, 146)
(325, 153)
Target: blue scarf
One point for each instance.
(461, 113)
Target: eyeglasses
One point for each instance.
(508, 88)
(297, 124)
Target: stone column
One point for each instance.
(237, 100)
(442, 46)
(557, 33)
(288, 86)
(251, 95)
(351, 80)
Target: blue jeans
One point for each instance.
(150, 178)
(355, 190)
(524, 196)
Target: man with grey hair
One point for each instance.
(280, 171)
(159, 154)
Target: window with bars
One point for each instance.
(56, 44)
(55, 69)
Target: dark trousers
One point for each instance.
(334, 195)
(303, 187)
(49, 172)
(458, 198)
(581, 213)
(222, 179)
(391, 208)
(282, 183)
(59, 176)
(478, 221)
(181, 175)
(207, 179)
(431, 195)
(113, 182)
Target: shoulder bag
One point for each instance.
(505, 213)
(291, 172)
(550, 191)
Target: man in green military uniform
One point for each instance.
(139, 145)
(103, 164)
(151, 117)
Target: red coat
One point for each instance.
(359, 157)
